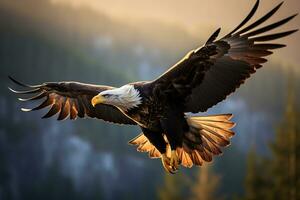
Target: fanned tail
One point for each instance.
(206, 137)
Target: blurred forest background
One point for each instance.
(43, 40)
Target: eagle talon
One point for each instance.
(174, 162)
(166, 164)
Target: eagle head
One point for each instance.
(125, 97)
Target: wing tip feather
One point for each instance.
(213, 36)
(26, 109)
(18, 82)
(248, 17)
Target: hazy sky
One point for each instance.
(198, 14)
(190, 12)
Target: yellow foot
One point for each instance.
(174, 162)
(166, 164)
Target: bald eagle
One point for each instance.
(162, 107)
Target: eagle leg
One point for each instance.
(174, 125)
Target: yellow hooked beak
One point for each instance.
(97, 100)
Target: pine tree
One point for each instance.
(251, 177)
(278, 177)
(206, 184)
(285, 149)
(255, 182)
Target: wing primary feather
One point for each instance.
(268, 46)
(22, 84)
(39, 96)
(79, 107)
(53, 110)
(272, 36)
(65, 110)
(213, 36)
(25, 91)
(49, 101)
(249, 16)
(73, 110)
(271, 26)
(261, 20)
(250, 52)
(26, 109)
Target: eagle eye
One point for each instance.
(106, 95)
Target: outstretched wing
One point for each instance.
(71, 99)
(207, 75)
